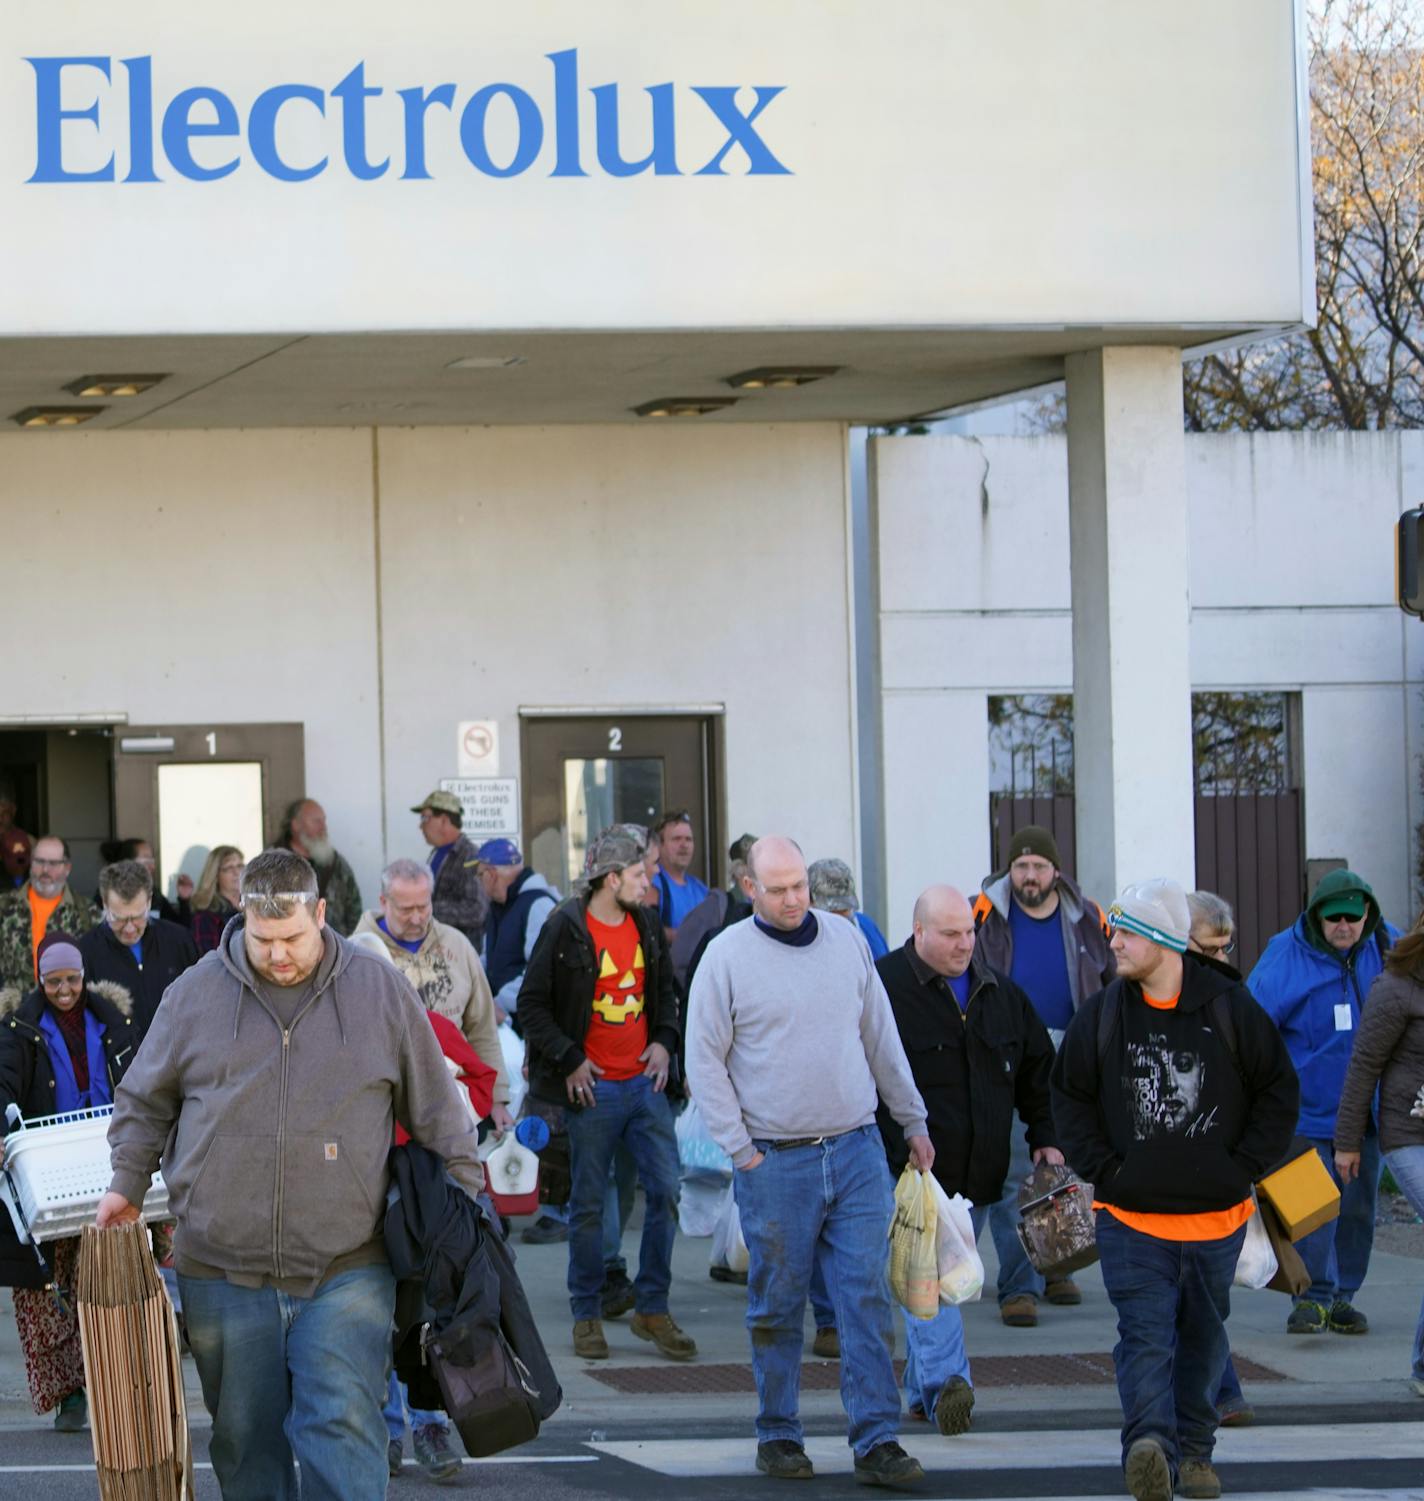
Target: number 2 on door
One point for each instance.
(615, 738)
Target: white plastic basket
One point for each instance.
(59, 1166)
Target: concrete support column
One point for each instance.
(1131, 675)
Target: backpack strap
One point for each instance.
(1224, 1025)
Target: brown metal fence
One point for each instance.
(1249, 851)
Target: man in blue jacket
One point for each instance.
(1313, 980)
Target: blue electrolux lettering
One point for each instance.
(198, 114)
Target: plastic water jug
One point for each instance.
(512, 1173)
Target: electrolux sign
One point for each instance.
(504, 129)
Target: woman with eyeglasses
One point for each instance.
(64, 1047)
(217, 896)
(1214, 934)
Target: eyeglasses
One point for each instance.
(63, 982)
(48, 864)
(1218, 950)
(115, 920)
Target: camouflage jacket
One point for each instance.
(17, 956)
(337, 883)
(459, 897)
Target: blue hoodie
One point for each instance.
(1300, 980)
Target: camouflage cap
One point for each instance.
(616, 848)
(741, 848)
(832, 886)
(440, 802)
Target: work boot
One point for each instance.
(1148, 1475)
(394, 1459)
(617, 1296)
(784, 1459)
(660, 1329)
(1064, 1292)
(889, 1466)
(1198, 1480)
(1020, 1311)
(589, 1343)
(433, 1453)
(545, 1231)
(1240, 1416)
(954, 1406)
(71, 1414)
(827, 1344)
(726, 1274)
(1345, 1318)
(1308, 1318)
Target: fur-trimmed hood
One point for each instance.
(118, 996)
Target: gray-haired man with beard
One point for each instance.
(304, 833)
(269, 1085)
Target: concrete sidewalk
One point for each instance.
(1367, 1372)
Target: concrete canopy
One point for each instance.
(356, 379)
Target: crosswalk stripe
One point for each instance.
(1025, 1449)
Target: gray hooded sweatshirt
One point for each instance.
(274, 1137)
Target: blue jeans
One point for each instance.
(1017, 1277)
(1407, 1165)
(1337, 1255)
(622, 1185)
(395, 1410)
(934, 1348)
(823, 1305)
(295, 1378)
(1172, 1299)
(831, 1200)
(630, 1111)
(1229, 1396)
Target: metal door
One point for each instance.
(583, 773)
(191, 787)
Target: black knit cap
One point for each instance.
(1033, 840)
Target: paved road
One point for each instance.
(1329, 1456)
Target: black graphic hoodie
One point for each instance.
(1169, 1121)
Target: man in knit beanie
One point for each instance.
(1034, 925)
(1172, 1094)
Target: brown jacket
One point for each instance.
(1389, 1051)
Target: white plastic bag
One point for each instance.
(696, 1150)
(511, 1044)
(914, 1274)
(1257, 1263)
(961, 1270)
(728, 1247)
(700, 1203)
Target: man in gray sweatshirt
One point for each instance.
(790, 1039)
(269, 1085)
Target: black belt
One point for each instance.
(803, 1141)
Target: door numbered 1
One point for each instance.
(212, 738)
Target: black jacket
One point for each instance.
(167, 951)
(27, 1080)
(556, 998)
(973, 1071)
(1178, 1118)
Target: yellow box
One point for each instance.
(1303, 1194)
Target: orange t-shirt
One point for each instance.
(1215, 1224)
(41, 910)
(618, 1032)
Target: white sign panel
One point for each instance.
(477, 747)
(491, 805)
(474, 164)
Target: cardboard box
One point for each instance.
(1303, 1194)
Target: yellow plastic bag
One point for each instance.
(914, 1261)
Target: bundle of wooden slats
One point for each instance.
(133, 1369)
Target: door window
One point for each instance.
(602, 791)
(202, 804)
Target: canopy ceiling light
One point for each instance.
(780, 377)
(684, 406)
(113, 385)
(487, 362)
(55, 416)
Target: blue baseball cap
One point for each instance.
(499, 852)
